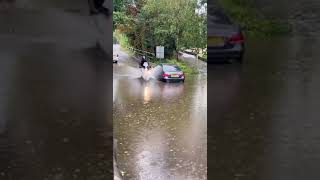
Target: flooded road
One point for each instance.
(160, 127)
(55, 115)
(53, 121)
(264, 115)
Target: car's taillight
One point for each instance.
(236, 39)
(165, 75)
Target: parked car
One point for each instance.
(225, 39)
(169, 73)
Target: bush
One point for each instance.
(122, 38)
(244, 13)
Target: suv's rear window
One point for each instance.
(167, 68)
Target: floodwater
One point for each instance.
(161, 128)
(264, 115)
(55, 115)
(54, 106)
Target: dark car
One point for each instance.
(169, 73)
(225, 39)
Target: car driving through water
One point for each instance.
(169, 73)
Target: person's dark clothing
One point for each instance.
(143, 60)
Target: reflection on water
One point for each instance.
(146, 94)
(150, 155)
(149, 90)
(169, 91)
(161, 128)
(265, 113)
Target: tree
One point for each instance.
(174, 24)
(196, 35)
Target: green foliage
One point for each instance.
(172, 24)
(120, 5)
(119, 18)
(122, 39)
(204, 57)
(253, 22)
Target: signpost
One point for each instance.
(160, 52)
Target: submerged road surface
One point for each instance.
(264, 115)
(160, 127)
(55, 115)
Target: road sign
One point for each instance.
(160, 52)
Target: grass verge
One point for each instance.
(244, 13)
(184, 66)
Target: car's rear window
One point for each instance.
(167, 68)
(218, 17)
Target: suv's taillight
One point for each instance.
(236, 39)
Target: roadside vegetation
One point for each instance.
(203, 57)
(122, 38)
(251, 20)
(177, 25)
(189, 70)
(184, 66)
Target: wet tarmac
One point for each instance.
(160, 127)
